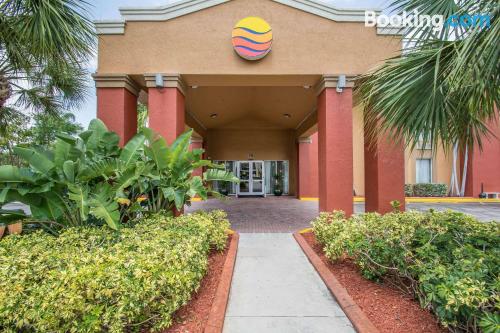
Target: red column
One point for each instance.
(484, 166)
(166, 106)
(308, 167)
(196, 144)
(117, 104)
(384, 174)
(335, 154)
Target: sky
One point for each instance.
(108, 10)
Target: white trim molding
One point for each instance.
(184, 7)
(307, 140)
(328, 11)
(116, 81)
(110, 27)
(331, 80)
(169, 81)
(168, 11)
(390, 30)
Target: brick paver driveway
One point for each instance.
(287, 214)
(271, 214)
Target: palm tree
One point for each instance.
(44, 45)
(444, 88)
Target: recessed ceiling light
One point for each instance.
(213, 115)
(306, 86)
(194, 87)
(287, 115)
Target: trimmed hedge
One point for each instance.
(426, 190)
(99, 280)
(450, 260)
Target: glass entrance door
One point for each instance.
(251, 175)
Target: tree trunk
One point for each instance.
(5, 90)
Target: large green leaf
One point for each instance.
(177, 196)
(220, 175)
(132, 149)
(69, 170)
(36, 159)
(50, 208)
(61, 152)
(104, 207)
(79, 195)
(13, 174)
(95, 133)
(158, 152)
(196, 187)
(179, 149)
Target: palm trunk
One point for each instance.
(464, 171)
(454, 190)
(5, 90)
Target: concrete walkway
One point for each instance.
(276, 290)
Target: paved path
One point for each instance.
(276, 290)
(287, 214)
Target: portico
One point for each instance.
(288, 106)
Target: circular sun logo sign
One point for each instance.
(252, 38)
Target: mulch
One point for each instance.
(388, 308)
(192, 317)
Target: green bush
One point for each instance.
(450, 260)
(408, 190)
(426, 190)
(98, 280)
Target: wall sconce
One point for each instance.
(341, 82)
(159, 80)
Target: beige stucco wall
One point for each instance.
(200, 43)
(441, 165)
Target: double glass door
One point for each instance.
(251, 175)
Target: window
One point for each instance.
(424, 170)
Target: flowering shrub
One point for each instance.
(98, 280)
(449, 260)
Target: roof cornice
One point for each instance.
(168, 11)
(116, 27)
(327, 11)
(184, 7)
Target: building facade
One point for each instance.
(287, 115)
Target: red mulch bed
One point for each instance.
(192, 317)
(387, 307)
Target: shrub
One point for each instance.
(408, 190)
(426, 190)
(450, 260)
(98, 280)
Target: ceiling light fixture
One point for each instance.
(287, 115)
(306, 86)
(213, 115)
(194, 87)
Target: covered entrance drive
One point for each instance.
(263, 215)
(294, 105)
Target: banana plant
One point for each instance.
(89, 179)
(171, 182)
(72, 183)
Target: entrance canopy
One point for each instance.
(180, 59)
